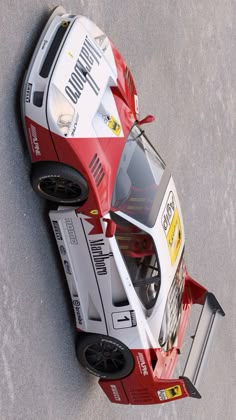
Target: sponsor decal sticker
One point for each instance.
(71, 232)
(172, 227)
(28, 92)
(94, 212)
(34, 140)
(77, 308)
(174, 237)
(112, 123)
(115, 392)
(169, 393)
(62, 250)
(67, 267)
(57, 230)
(142, 364)
(75, 125)
(99, 258)
(168, 213)
(88, 58)
(124, 319)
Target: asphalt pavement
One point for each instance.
(182, 55)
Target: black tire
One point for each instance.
(104, 356)
(59, 183)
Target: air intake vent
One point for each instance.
(140, 396)
(38, 99)
(97, 169)
(52, 52)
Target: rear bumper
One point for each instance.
(150, 389)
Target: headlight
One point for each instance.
(171, 317)
(61, 110)
(64, 122)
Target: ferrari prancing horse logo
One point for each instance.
(112, 123)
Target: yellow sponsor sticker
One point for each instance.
(170, 221)
(94, 212)
(113, 124)
(174, 236)
(169, 393)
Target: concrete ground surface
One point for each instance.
(182, 54)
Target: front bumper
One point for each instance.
(36, 78)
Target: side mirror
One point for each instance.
(111, 228)
(147, 119)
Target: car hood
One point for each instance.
(82, 91)
(86, 107)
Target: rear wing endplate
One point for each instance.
(211, 313)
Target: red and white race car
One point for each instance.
(119, 226)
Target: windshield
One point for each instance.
(138, 178)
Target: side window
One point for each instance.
(138, 250)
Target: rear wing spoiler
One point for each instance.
(210, 315)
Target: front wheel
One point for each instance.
(104, 356)
(59, 183)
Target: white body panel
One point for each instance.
(102, 292)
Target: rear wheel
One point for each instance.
(104, 356)
(59, 183)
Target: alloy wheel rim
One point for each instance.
(104, 357)
(61, 188)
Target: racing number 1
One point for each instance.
(125, 319)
